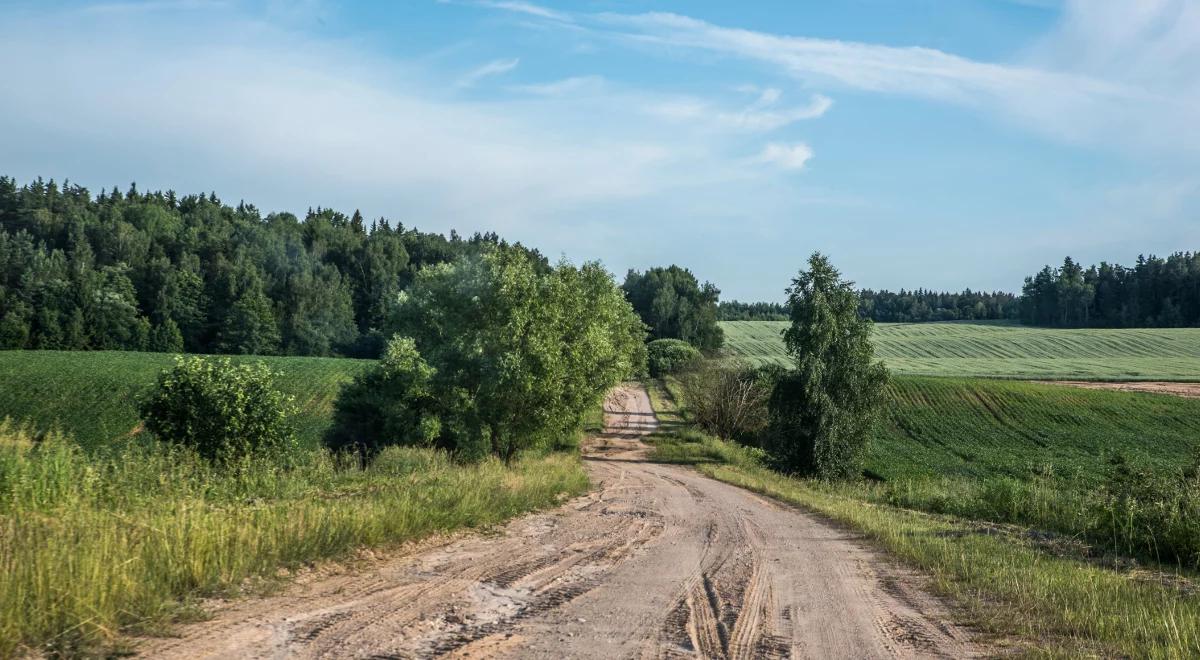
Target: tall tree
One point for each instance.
(822, 411)
(674, 305)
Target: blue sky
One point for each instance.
(925, 143)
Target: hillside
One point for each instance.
(1003, 350)
(92, 395)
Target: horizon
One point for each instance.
(939, 146)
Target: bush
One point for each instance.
(670, 356)
(222, 411)
(1146, 512)
(730, 401)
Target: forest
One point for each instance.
(161, 272)
(1154, 292)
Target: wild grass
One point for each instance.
(1000, 349)
(1043, 594)
(92, 545)
(92, 396)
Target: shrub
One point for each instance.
(670, 356)
(730, 401)
(1151, 513)
(223, 411)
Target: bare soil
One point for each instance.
(1187, 390)
(657, 561)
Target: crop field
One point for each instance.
(1003, 350)
(983, 428)
(92, 396)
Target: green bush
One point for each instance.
(222, 410)
(493, 354)
(670, 356)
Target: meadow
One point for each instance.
(1002, 350)
(92, 395)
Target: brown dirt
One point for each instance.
(657, 561)
(1187, 390)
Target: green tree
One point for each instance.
(674, 305)
(822, 412)
(494, 355)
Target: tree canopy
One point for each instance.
(156, 271)
(1154, 292)
(493, 354)
(674, 305)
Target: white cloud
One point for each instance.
(1113, 74)
(493, 68)
(786, 156)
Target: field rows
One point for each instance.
(1002, 350)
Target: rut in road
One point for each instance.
(657, 562)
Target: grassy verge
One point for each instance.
(1007, 581)
(94, 545)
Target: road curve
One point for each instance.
(657, 561)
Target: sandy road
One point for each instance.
(658, 561)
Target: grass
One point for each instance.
(94, 545)
(1010, 583)
(92, 396)
(1001, 349)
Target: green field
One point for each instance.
(978, 428)
(92, 396)
(1003, 350)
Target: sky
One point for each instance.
(940, 144)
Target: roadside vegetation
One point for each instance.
(93, 546)
(1001, 349)
(1021, 585)
(498, 361)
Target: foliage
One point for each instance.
(221, 410)
(127, 271)
(922, 305)
(1002, 349)
(495, 355)
(1155, 292)
(92, 544)
(391, 404)
(823, 411)
(670, 356)
(730, 401)
(735, 310)
(674, 305)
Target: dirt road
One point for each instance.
(658, 561)
(1186, 390)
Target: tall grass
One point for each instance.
(92, 545)
(1003, 350)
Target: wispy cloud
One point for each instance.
(786, 156)
(493, 68)
(1113, 75)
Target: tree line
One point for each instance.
(161, 272)
(1154, 292)
(923, 305)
